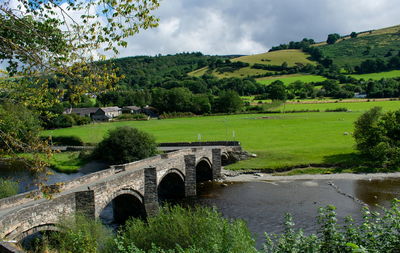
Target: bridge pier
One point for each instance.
(85, 204)
(216, 163)
(150, 191)
(190, 178)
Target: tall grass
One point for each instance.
(8, 188)
(201, 229)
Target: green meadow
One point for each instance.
(378, 76)
(279, 140)
(291, 56)
(288, 79)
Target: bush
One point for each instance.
(80, 235)
(66, 140)
(171, 115)
(199, 228)
(377, 137)
(376, 233)
(129, 116)
(8, 188)
(124, 145)
(340, 109)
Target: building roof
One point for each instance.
(110, 109)
(132, 107)
(85, 111)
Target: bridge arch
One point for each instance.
(224, 158)
(34, 230)
(204, 170)
(122, 205)
(171, 186)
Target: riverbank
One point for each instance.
(234, 176)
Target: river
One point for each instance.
(263, 204)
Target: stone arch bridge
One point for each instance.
(134, 189)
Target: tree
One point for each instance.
(377, 136)
(332, 38)
(42, 41)
(228, 101)
(353, 35)
(277, 91)
(124, 145)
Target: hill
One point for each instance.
(290, 57)
(374, 44)
(150, 71)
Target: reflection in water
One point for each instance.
(27, 181)
(377, 191)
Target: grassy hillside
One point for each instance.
(378, 76)
(288, 79)
(292, 57)
(373, 44)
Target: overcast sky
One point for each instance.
(253, 26)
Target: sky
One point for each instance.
(223, 27)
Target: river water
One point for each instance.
(263, 204)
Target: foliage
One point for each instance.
(228, 101)
(376, 135)
(19, 133)
(80, 235)
(66, 140)
(332, 38)
(8, 188)
(43, 45)
(124, 145)
(277, 91)
(375, 45)
(197, 228)
(132, 116)
(376, 233)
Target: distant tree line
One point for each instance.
(378, 65)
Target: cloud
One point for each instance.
(253, 26)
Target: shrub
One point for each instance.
(129, 116)
(80, 235)
(8, 188)
(125, 144)
(200, 228)
(340, 109)
(67, 140)
(376, 233)
(377, 137)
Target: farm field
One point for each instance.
(290, 56)
(378, 76)
(279, 140)
(277, 58)
(288, 79)
(353, 106)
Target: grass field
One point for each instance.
(279, 140)
(378, 76)
(288, 79)
(290, 56)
